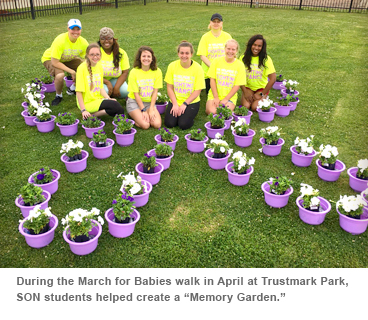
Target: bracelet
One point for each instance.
(229, 101)
(83, 110)
(185, 103)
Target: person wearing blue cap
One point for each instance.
(65, 55)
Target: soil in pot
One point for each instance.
(361, 177)
(82, 238)
(273, 143)
(151, 170)
(329, 166)
(161, 157)
(128, 131)
(216, 127)
(100, 144)
(125, 221)
(75, 158)
(353, 217)
(218, 155)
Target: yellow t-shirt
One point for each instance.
(65, 50)
(212, 47)
(92, 98)
(227, 76)
(185, 81)
(107, 62)
(143, 82)
(257, 78)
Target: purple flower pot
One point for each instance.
(25, 105)
(301, 160)
(282, 111)
(161, 108)
(50, 187)
(235, 178)
(121, 230)
(115, 125)
(68, 83)
(40, 240)
(276, 200)
(91, 131)
(125, 140)
(330, 175)
(102, 152)
(46, 126)
(50, 87)
(142, 199)
(353, 226)
(228, 123)
(172, 144)
(313, 217)
(83, 248)
(247, 117)
(28, 119)
(195, 146)
(164, 161)
(278, 85)
(216, 163)
(211, 133)
(244, 141)
(284, 94)
(272, 150)
(355, 183)
(26, 209)
(266, 116)
(153, 178)
(293, 105)
(75, 166)
(68, 130)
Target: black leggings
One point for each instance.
(111, 107)
(208, 85)
(184, 121)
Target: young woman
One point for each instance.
(91, 96)
(227, 75)
(261, 74)
(115, 63)
(144, 81)
(212, 45)
(185, 80)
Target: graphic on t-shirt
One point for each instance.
(255, 73)
(183, 84)
(110, 70)
(70, 54)
(145, 87)
(225, 77)
(96, 83)
(215, 50)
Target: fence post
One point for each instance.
(351, 4)
(144, 2)
(80, 6)
(32, 9)
(116, 4)
(206, 2)
(300, 5)
(251, 2)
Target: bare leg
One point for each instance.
(157, 122)
(136, 115)
(100, 113)
(59, 82)
(210, 107)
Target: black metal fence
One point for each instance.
(18, 9)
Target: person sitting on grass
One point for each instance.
(65, 54)
(144, 81)
(261, 74)
(91, 96)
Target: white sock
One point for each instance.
(59, 95)
(72, 87)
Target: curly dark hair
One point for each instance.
(248, 52)
(137, 60)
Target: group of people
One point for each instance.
(104, 75)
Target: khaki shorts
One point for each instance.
(73, 64)
(132, 105)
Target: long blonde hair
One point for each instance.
(89, 67)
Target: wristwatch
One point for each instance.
(144, 109)
(185, 103)
(261, 94)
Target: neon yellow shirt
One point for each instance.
(92, 98)
(257, 78)
(212, 47)
(143, 82)
(64, 50)
(107, 62)
(227, 75)
(185, 81)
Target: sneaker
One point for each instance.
(70, 91)
(56, 101)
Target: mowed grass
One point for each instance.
(195, 217)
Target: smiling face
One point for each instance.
(106, 42)
(257, 47)
(94, 55)
(146, 58)
(216, 24)
(185, 55)
(74, 34)
(231, 49)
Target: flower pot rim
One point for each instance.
(351, 172)
(272, 110)
(101, 126)
(287, 193)
(68, 125)
(31, 180)
(326, 170)
(207, 125)
(270, 145)
(19, 199)
(151, 174)
(83, 157)
(90, 144)
(310, 155)
(115, 125)
(250, 113)
(288, 106)
(134, 131)
(149, 189)
(248, 136)
(153, 153)
(328, 209)
(52, 120)
(122, 224)
(215, 159)
(176, 138)
(24, 114)
(187, 137)
(78, 244)
(162, 104)
(230, 164)
(37, 236)
(351, 219)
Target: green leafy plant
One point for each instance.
(304, 146)
(265, 104)
(132, 185)
(99, 137)
(72, 148)
(123, 124)
(328, 154)
(37, 220)
(279, 185)
(241, 111)
(270, 134)
(351, 206)
(309, 196)
(92, 122)
(197, 134)
(166, 135)
(47, 79)
(362, 169)
(241, 162)
(66, 118)
(280, 78)
(284, 100)
(68, 75)
(31, 194)
(43, 114)
(162, 97)
(163, 150)
(216, 120)
(226, 112)
(123, 206)
(43, 176)
(240, 127)
(149, 161)
(218, 145)
(290, 85)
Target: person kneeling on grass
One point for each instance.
(65, 54)
(144, 81)
(91, 96)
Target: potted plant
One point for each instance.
(91, 125)
(101, 145)
(226, 115)
(166, 135)
(39, 227)
(283, 106)
(48, 83)
(350, 209)
(271, 141)
(68, 79)
(161, 101)
(329, 168)
(124, 131)
(243, 136)
(358, 175)
(30, 196)
(312, 207)
(265, 110)
(149, 170)
(29, 114)
(218, 152)
(82, 230)
(242, 112)
(44, 121)
(122, 118)
(136, 187)
(302, 151)
(278, 85)
(240, 169)
(277, 191)
(73, 156)
(196, 138)
(32, 94)
(46, 178)
(122, 217)
(290, 87)
(67, 123)
(293, 101)
(216, 124)
(163, 154)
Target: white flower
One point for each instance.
(230, 151)
(362, 165)
(95, 211)
(100, 220)
(314, 201)
(251, 161)
(237, 155)
(63, 221)
(260, 150)
(222, 149)
(218, 135)
(135, 189)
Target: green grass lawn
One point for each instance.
(195, 217)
